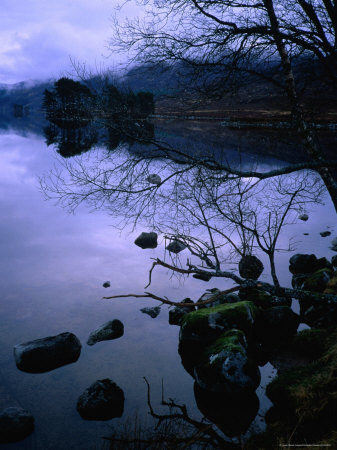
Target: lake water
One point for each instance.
(52, 267)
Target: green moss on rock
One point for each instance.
(209, 323)
(225, 366)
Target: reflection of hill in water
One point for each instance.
(246, 146)
(192, 136)
(252, 143)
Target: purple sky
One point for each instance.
(39, 37)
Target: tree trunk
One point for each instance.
(306, 134)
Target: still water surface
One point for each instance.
(52, 267)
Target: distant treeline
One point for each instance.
(80, 117)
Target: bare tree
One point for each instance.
(231, 37)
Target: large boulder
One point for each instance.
(147, 240)
(250, 267)
(225, 367)
(109, 330)
(15, 424)
(103, 400)
(205, 325)
(47, 353)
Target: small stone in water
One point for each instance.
(325, 233)
(303, 217)
(152, 312)
(106, 284)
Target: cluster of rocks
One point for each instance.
(150, 240)
(315, 275)
(222, 343)
(103, 400)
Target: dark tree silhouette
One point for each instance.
(234, 37)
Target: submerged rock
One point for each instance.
(147, 240)
(152, 312)
(250, 267)
(103, 400)
(225, 367)
(106, 284)
(15, 424)
(47, 353)
(109, 330)
(303, 217)
(176, 246)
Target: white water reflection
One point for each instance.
(52, 267)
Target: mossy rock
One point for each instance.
(318, 281)
(205, 325)
(225, 366)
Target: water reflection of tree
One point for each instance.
(220, 218)
(176, 429)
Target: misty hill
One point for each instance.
(176, 90)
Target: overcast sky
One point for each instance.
(38, 37)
